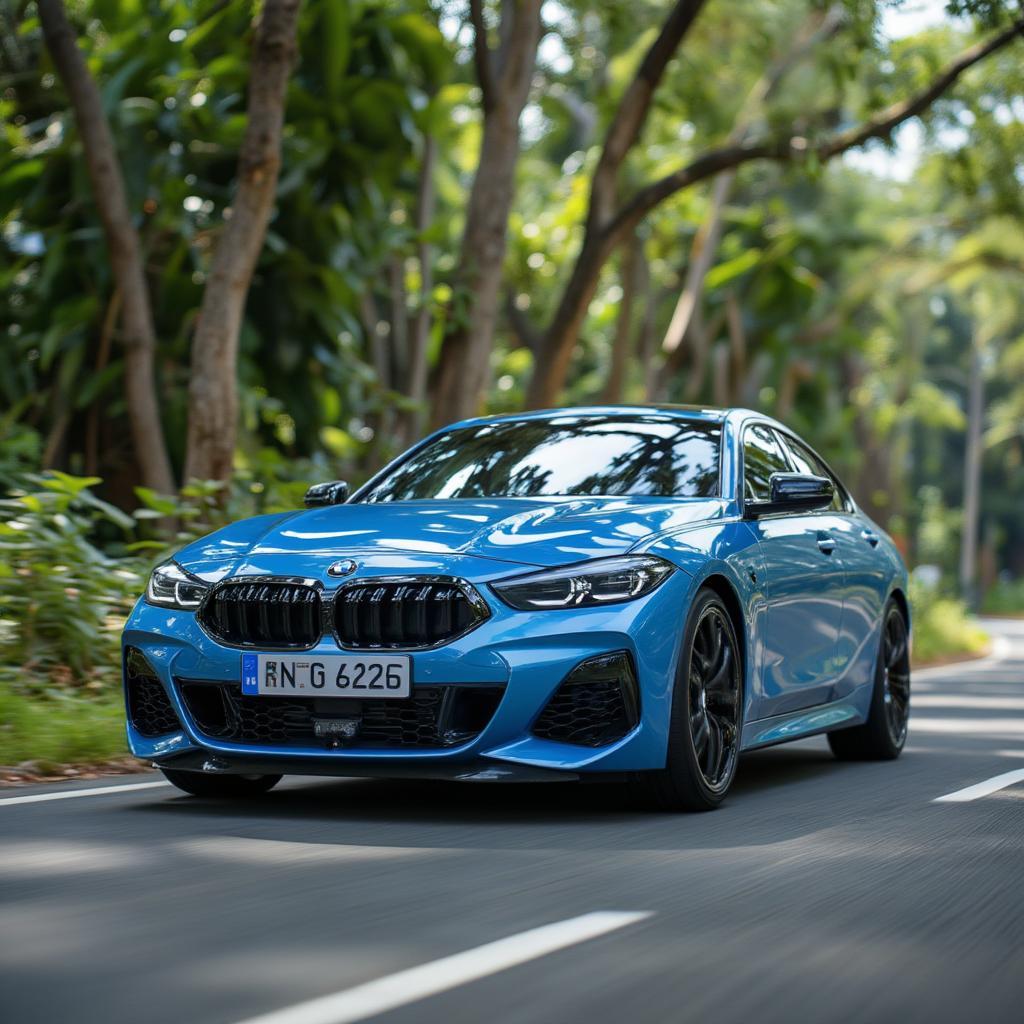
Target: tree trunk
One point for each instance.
(972, 479)
(213, 394)
(137, 333)
(419, 334)
(622, 343)
(737, 348)
(551, 366)
(466, 352)
(702, 254)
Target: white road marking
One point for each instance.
(969, 702)
(429, 979)
(290, 853)
(981, 789)
(1008, 727)
(71, 794)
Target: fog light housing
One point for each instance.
(597, 703)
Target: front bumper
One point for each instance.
(528, 654)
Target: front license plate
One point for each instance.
(327, 675)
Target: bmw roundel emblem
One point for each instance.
(343, 568)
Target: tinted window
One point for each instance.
(762, 456)
(805, 461)
(642, 455)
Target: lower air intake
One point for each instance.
(149, 708)
(596, 704)
(435, 716)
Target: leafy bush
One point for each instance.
(63, 600)
(1005, 598)
(942, 626)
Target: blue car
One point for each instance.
(608, 593)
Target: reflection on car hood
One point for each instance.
(522, 531)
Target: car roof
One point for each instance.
(689, 412)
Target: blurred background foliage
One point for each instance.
(845, 299)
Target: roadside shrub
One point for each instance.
(943, 628)
(63, 600)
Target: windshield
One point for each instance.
(652, 455)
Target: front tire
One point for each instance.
(883, 735)
(707, 714)
(233, 786)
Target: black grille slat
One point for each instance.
(435, 716)
(272, 613)
(404, 613)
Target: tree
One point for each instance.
(213, 404)
(213, 394)
(610, 220)
(132, 297)
(504, 75)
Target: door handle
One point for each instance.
(871, 537)
(826, 545)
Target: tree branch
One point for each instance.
(482, 60)
(796, 147)
(631, 113)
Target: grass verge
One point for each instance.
(59, 730)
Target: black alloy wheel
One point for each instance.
(707, 714)
(883, 735)
(714, 697)
(896, 676)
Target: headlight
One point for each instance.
(586, 584)
(171, 587)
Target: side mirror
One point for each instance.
(334, 492)
(792, 492)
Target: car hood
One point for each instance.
(486, 535)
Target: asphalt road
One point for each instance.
(820, 891)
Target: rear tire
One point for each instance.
(234, 786)
(707, 715)
(882, 736)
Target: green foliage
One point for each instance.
(63, 600)
(942, 627)
(1005, 598)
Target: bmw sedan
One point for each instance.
(627, 593)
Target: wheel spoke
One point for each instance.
(715, 653)
(719, 687)
(701, 735)
(897, 650)
(713, 759)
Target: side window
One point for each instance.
(805, 461)
(762, 456)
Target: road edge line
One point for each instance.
(70, 794)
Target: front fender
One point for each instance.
(725, 553)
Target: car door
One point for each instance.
(803, 588)
(864, 575)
